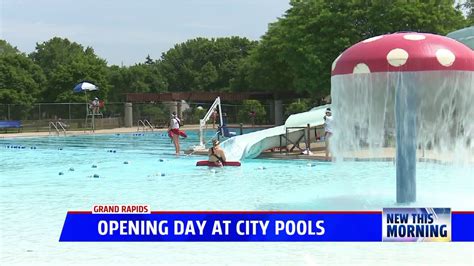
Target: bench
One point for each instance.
(6, 124)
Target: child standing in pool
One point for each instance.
(328, 121)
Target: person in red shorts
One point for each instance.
(174, 132)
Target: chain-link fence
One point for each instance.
(37, 116)
(159, 113)
(53, 111)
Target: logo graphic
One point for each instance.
(416, 224)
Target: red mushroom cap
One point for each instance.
(404, 51)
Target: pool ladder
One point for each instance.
(145, 125)
(58, 127)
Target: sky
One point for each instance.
(125, 32)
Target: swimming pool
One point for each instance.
(142, 169)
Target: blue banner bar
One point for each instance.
(245, 226)
(239, 226)
(462, 224)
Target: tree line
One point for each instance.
(295, 54)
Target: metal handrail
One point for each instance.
(51, 124)
(62, 127)
(202, 122)
(142, 125)
(56, 126)
(149, 124)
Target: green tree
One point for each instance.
(6, 48)
(157, 114)
(21, 82)
(206, 77)
(148, 60)
(468, 8)
(193, 115)
(249, 106)
(295, 107)
(145, 77)
(204, 64)
(67, 63)
(297, 51)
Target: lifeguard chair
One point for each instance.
(92, 113)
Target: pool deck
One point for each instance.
(113, 131)
(78, 132)
(382, 154)
(89, 132)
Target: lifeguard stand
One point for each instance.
(92, 113)
(85, 86)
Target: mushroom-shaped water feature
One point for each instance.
(403, 93)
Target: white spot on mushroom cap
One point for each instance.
(372, 39)
(414, 37)
(335, 62)
(445, 57)
(361, 68)
(397, 57)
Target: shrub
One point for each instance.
(249, 106)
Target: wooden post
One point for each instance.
(241, 129)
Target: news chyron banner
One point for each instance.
(138, 223)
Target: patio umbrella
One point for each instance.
(85, 86)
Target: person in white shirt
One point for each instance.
(328, 127)
(94, 105)
(174, 132)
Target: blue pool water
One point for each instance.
(35, 196)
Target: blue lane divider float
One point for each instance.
(15, 147)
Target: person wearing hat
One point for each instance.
(216, 153)
(328, 124)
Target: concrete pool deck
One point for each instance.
(114, 131)
(89, 132)
(382, 154)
